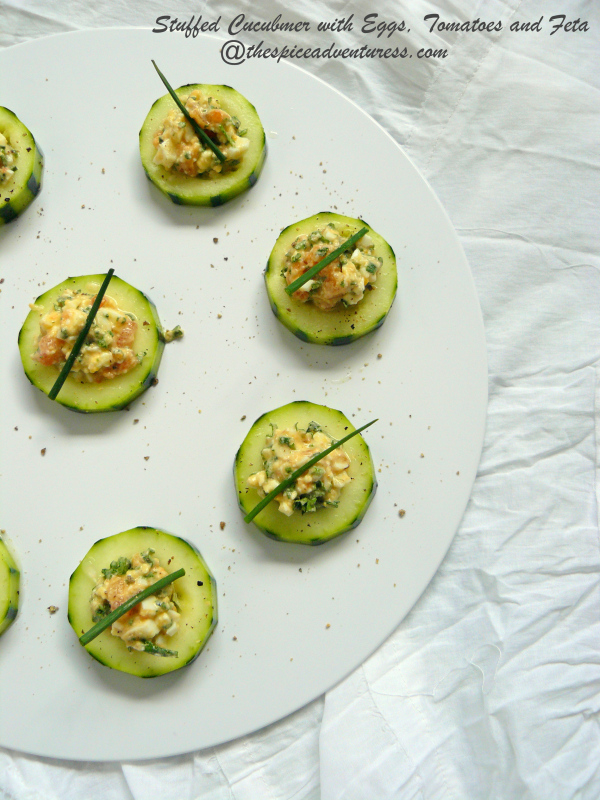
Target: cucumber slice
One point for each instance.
(196, 597)
(111, 394)
(338, 325)
(326, 523)
(18, 193)
(199, 191)
(9, 588)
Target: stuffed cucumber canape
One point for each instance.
(9, 588)
(168, 628)
(346, 299)
(327, 499)
(187, 169)
(121, 352)
(21, 166)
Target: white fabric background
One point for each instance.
(490, 688)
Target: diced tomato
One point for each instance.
(126, 335)
(49, 350)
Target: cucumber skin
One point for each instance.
(162, 663)
(370, 488)
(135, 391)
(15, 207)
(13, 588)
(287, 316)
(206, 198)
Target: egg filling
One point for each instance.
(148, 625)
(8, 161)
(344, 280)
(107, 350)
(179, 149)
(285, 451)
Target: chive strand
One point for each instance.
(108, 620)
(300, 471)
(197, 129)
(310, 273)
(62, 376)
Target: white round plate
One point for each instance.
(293, 620)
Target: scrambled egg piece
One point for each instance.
(145, 626)
(107, 350)
(179, 149)
(288, 449)
(344, 280)
(8, 161)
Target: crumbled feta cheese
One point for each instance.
(285, 451)
(344, 280)
(145, 623)
(179, 149)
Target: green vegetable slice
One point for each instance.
(9, 588)
(327, 522)
(202, 191)
(112, 394)
(18, 193)
(196, 600)
(339, 325)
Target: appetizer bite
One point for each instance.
(331, 279)
(329, 487)
(118, 357)
(205, 152)
(21, 166)
(9, 588)
(143, 602)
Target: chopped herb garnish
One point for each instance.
(226, 135)
(101, 612)
(155, 650)
(119, 567)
